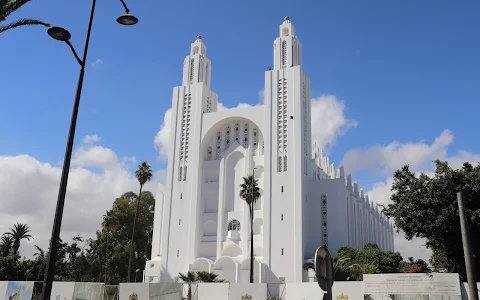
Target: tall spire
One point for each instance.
(288, 50)
(196, 67)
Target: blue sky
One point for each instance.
(406, 70)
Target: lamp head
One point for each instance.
(137, 270)
(59, 33)
(127, 20)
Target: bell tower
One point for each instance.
(288, 50)
(190, 103)
(196, 67)
(287, 111)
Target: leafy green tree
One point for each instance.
(412, 266)
(7, 7)
(88, 259)
(143, 174)
(18, 233)
(426, 207)
(122, 214)
(351, 263)
(250, 192)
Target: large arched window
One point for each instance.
(234, 225)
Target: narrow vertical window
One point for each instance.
(179, 221)
(192, 69)
(281, 217)
(282, 251)
(206, 74)
(178, 253)
(181, 195)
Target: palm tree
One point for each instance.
(6, 245)
(204, 276)
(250, 192)
(40, 254)
(18, 233)
(143, 174)
(189, 278)
(9, 6)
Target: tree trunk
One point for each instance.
(251, 243)
(133, 235)
(189, 293)
(106, 259)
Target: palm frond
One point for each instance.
(9, 6)
(144, 173)
(22, 22)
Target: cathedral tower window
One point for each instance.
(180, 173)
(227, 137)
(234, 225)
(245, 136)
(324, 220)
(206, 73)
(209, 105)
(284, 53)
(219, 145)
(255, 141)
(285, 163)
(279, 164)
(192, 69)
(185, 174)
(209, 153)
(237, 132)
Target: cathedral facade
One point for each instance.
(201, 223)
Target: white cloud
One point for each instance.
(30, 188)
(385, 160)
(91, 139)
(97, 63)
(261, 96)
(162, 139)
(328, 122)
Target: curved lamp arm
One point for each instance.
(82, 63)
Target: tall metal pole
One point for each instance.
(57, 221)
(467, 249)
(251, 225)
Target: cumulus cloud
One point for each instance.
(385, 160)
(30, 188)
(328, 122)
(91, 139)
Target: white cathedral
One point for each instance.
(201, 223)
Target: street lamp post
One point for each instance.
(136, 272)
(63, 35)
(251, 225)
